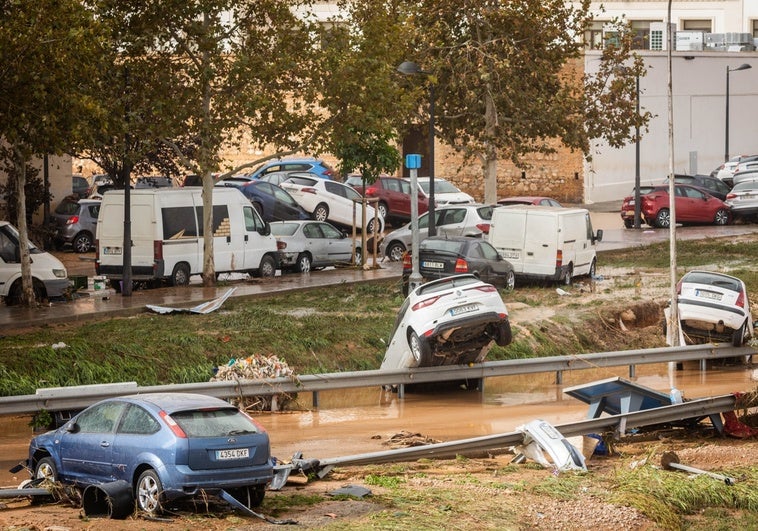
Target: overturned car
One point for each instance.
(450, 321)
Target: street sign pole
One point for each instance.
(413, 163)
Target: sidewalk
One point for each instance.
(97, 303)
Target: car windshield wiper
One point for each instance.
(239, 432)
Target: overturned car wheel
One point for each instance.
(503, 334)
(420, 349)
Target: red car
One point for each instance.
(394, 196)
(693, 205)
(529, 200)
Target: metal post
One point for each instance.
(726, 126)
(412, 162)
(637, 206)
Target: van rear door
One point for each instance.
(540, 243)
(507, 233)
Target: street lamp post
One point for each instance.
(743, 66)
(637, 199)
(410, 68)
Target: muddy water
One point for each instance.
(360, 420)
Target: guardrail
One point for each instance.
(73, 398)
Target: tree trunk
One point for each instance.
(490, 153)
(27, 297)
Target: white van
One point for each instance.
(49, 277)
(547, 243)
(167, 235)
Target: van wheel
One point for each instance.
(82, 242)
(593, 269)
(569, 273)
(181, 275)
(16, 293)
(321, 212)
(303, 263)
(267, 267)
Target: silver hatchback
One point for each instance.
(74, 223)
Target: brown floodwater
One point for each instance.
(356, 421)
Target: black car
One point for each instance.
(712, 185)
(443, 256)
(272, 202)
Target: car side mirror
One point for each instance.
(265, 230)
(72, 427)
(599, 236)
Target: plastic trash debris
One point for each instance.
(560, 292)
(61, 344)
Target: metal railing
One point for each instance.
(79, 397)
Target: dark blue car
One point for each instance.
(166, 445)
(272, 202)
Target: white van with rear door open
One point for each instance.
(167, 235)
(545, 243)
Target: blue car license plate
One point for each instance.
(233, 453)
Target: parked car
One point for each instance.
(74, 222)
(449, 321)
(627, 206)
(307, 245)
(154, 181)
(529, 200)
(746, 175)
(726, 170)
(743, 199)
(693, 205)
(166, 445)
(80, 187)
(712, 185)
(713, 307)
(275, 177)
(462, 220)
(308, 164)
(445, 192)
(272, 202)
(331, 201)
(192, 180)
(443, 256)
(394, 195)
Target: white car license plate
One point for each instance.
(467, 308)
(234, 453)
(432, 265)
(513, 255)
(712, 295)
(112, 250)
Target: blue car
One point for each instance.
(166, 445)
(317, 166)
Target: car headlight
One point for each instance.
(60, 273)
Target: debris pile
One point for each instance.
(406, 439)
(256, 367)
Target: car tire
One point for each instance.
(180, 276)
(303, 264)
(267, 269)
(82, 243)
(16, 292)
(510, 281)
(568, 279)
(321, 212)
(628, 223)
(358, 256)
(371, 226)
(149, 493)
(663, 218)
(46, 469)
(738, 338)
(395, 251)
(593, 269)
(383, 210)
(251, 497)
(420, 349)
(503, 334)
(721, 217)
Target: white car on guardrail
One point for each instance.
(450, 321)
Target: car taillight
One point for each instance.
(484, 227)
(157, 250)
(308, 190)
(171, 423)
(730, 195)
(461, 266)
(280, 245)
(371, 190)
(558, 259)
(486, 288)
(423, 304)
(72, 220)
(741, 299)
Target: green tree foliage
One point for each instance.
(49, 57)
(508, 79)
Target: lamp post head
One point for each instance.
(409, 68)
(743, 66)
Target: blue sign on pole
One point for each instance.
(413, 162)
